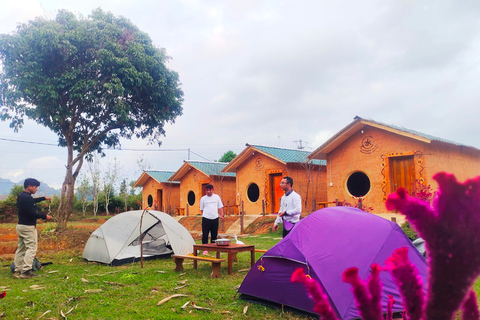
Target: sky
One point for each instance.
(277, 72)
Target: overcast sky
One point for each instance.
(276, 72)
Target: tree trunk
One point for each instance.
(66, 200)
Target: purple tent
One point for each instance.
(325, 244)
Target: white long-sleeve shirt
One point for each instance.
(291, 204)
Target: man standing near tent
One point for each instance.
(27, 229)
(212, 207)
(290, 207)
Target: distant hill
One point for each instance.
(44, 190)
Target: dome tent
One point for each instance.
(117, 241)
(325, 244)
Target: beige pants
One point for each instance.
(27, 247)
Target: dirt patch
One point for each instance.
(75, 237)
(260, 225)
(195, 223)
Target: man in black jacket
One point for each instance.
(27, 229)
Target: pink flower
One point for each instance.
(390, 304)
(406, 277)
(315, 292)
(451, 234)
(470, 307)
(367, 297)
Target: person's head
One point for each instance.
(31, 185)
(286, 184)
(209, 190)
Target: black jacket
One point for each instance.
(27, 213)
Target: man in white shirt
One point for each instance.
(290, 207)
(212, 207)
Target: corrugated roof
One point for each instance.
(161, 176)
(289, 155)
(415, 132)
(358, 123)
(211, 168)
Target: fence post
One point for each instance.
(241, 219)
(228, 207)
(187, 210)
(263, 207)
(313, 205)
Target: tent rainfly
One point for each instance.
(325, 244)
(117, 241)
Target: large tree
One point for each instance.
(91, 80)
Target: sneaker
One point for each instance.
(16, 274)
(27, 274)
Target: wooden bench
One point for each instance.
(216, 263)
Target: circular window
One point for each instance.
(253, 192)
(358, 184)
(191, 198)
(150, 200)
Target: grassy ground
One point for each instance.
(86, 290)
(96, 291)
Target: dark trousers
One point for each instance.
(285, 231)
(208, 226)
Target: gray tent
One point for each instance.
(117, 241)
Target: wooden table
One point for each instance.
(231, 250)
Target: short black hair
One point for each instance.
(289, 181)
(208, 187)
(31, 182)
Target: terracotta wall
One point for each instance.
(170, 194)
(257, 170)
(193, 180)
(371, 152)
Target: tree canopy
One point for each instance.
(227, 156)
(91, 80)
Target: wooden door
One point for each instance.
(402, 173)
(276, 192)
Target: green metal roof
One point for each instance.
(161, 176)
(289, 155)
(211, 168)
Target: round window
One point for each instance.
(191, 198)
(358, 184)
(253, 192)
(150, 200)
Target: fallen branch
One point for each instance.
(171, 297)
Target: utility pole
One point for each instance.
(300, 146)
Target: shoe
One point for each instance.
(27, 274)
(16, 274)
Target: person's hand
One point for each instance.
(275, 227)
(48, 198)
(281, 214)
(222, 217)
(49, 217)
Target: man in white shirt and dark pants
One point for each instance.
(212, 208)
(290, 207)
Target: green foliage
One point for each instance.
(227, 156)
(100, 76)
(409, 231)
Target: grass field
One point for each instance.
(84, 290)
(97, 291)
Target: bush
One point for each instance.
(409, 231)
